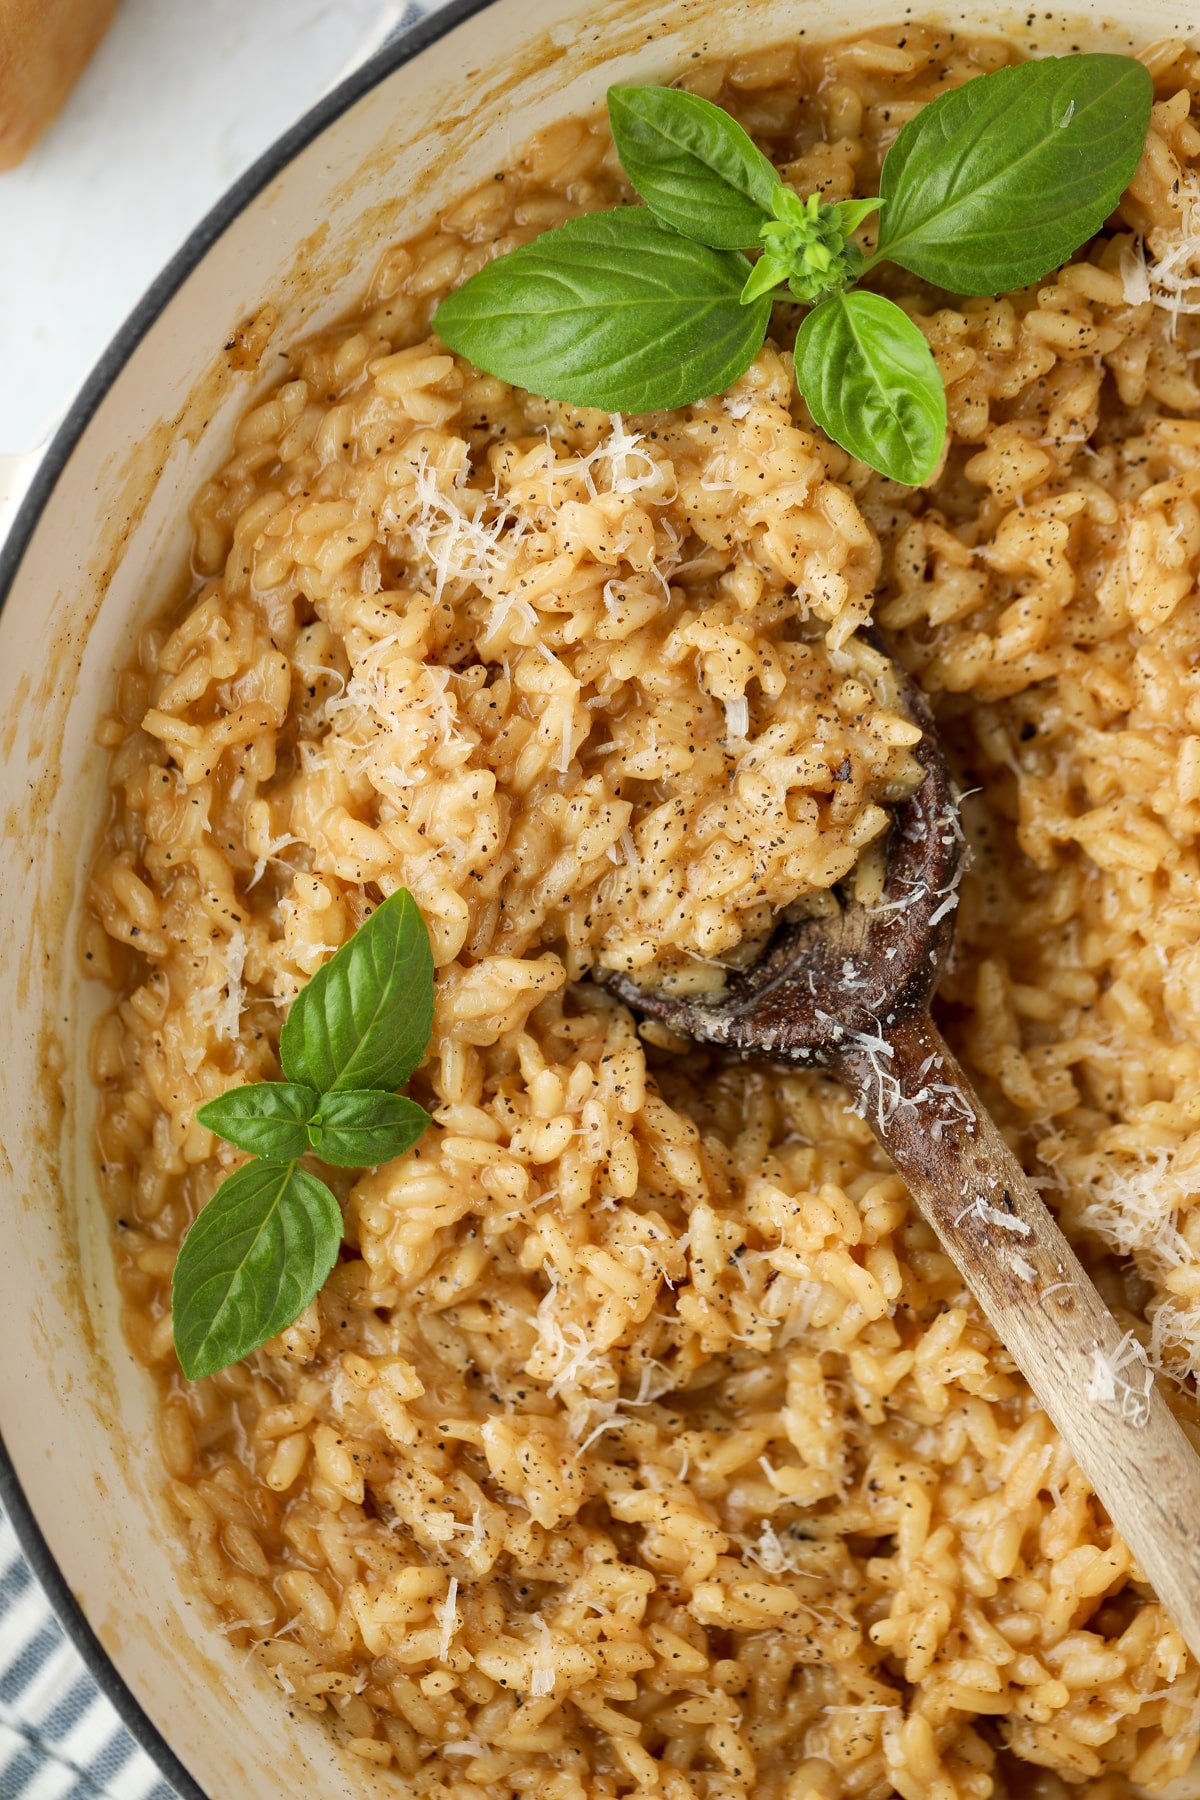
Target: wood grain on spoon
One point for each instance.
(850, 994)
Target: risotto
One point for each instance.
(643, 1441)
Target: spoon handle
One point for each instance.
(1092, 1379)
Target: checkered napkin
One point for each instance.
(59, 1738)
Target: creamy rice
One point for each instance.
(644, 1441)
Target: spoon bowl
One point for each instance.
(823, 981)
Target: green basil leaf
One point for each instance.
(364, 1019)
(693, 165)
(872, 385)
(768, 273)
(252, 1261)
(612, 310)
(355, 1129)
(993, 185)
(268, 1118)
(851, 213)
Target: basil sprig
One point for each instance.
(267, 1240)
(989, 187)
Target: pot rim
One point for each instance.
(404, 46)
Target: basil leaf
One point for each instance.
(251, 1263)
(268, 1118)
(872, 385)
(612, 310)
(364, 1019)
(768, 273)
(994, 184)
(356, 1129)
(851, 213)
(693, 165)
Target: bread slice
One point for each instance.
(44, 45)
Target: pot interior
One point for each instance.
(94, 555)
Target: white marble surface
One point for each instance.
(181, 96)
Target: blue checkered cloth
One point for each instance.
(59, 1738)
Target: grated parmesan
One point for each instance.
(1135, 276)
(947, 1103)
(737, 718)
(458, 544)
(771, 1553)
(988, 1214)
(448, 1619)
(572, 1359)
(563, 761)
(542, 1675)
(621, 448)
(271, 854)
(1171, 280)
(1135, 1207)
(227, 1018)
(216, 1007)
(1110, 1381)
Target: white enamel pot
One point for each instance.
(93, 551)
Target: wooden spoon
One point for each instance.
(850, 993)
